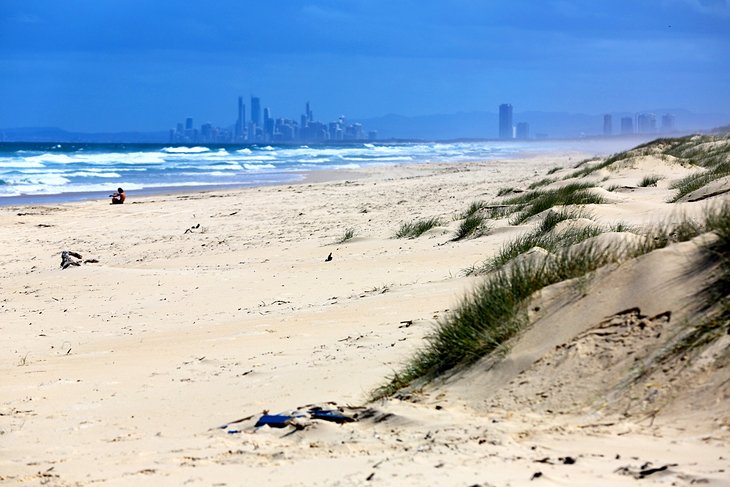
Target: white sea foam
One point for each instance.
(20, 164)
(185, 150)
(253, 167)
(93, 174)
(257, 158)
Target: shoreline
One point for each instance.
(530, 149)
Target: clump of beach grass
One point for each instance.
(474, 208)
(504, 191)
(588, 169)
(534, 202)
(541, 183)
(543, 236)
(554, 170)
(693, 182)
(473, 225)
(417, 228)
(496, 310)
(649, 180)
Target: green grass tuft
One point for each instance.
(474, 208)
(544, 237)
(417, 228)
(554, 170)
(541, 183)
(473, 225)
(535, 202)
(693, 182)
(649, 180)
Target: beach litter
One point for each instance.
(299, 419)
(69, 258)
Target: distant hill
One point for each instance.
(55, 134)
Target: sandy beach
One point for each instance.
(191, 311)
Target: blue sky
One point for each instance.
(113, 65)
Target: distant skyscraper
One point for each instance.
(627, 126)
(256, 110)
(646, 123)
(308, 113)
(189, 123)
(505, 121)
(523, 130)
(607, 125)
(668, 123)
(241, 120)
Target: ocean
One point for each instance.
(50, 172)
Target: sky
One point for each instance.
(123, 65)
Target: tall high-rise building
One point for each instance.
(505, 121)
(268, 124)
(308, 113)
(241, 119)
(646, 123)
(523, 130)
(189, 123)
(607, 125)
(627, 126)
(256, 110)
(668, 123)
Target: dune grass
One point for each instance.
(542, 236)
(541, 183)
(473, 225)
(497, 309)
(588, 169)
(554, 170)
(534, 202)
(693, 182)
(417, 228)
(474, 208)
(504, 191)
(649, 180)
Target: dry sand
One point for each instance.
(209, 307)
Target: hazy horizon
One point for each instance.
(121, 66)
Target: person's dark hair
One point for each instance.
(120, 190)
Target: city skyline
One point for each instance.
(264, 127)
(115, 66)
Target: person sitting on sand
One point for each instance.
(118, 197)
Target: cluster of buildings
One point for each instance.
(509, 130)
(643, 123)
(261, 126)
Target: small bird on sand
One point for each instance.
(329, 257)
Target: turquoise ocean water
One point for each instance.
(50, 172)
